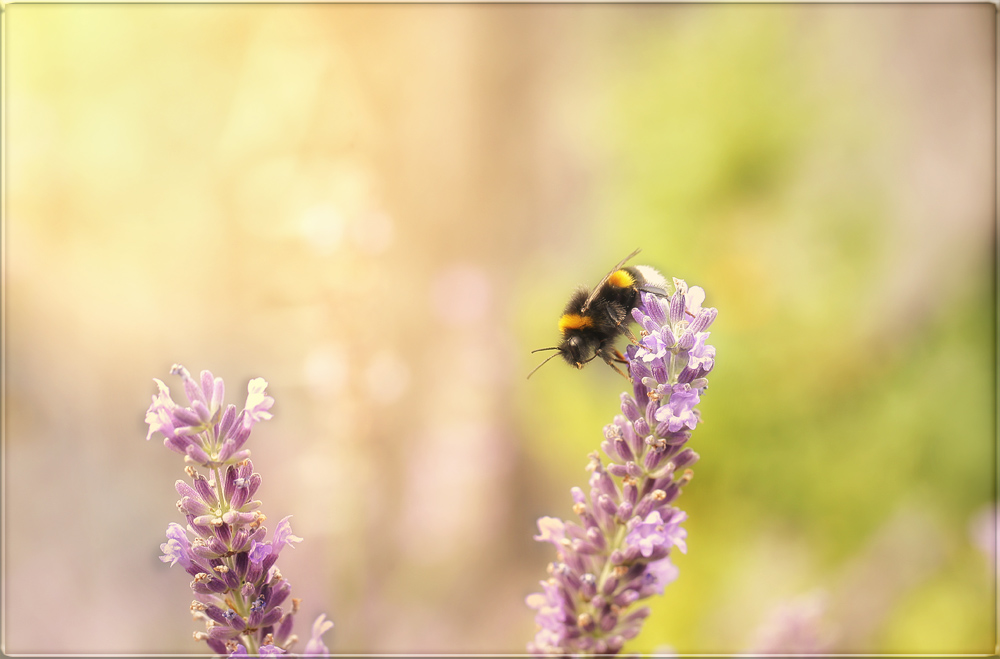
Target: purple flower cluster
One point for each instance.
(238, 588)
(618, 553)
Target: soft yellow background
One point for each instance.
(382, 209)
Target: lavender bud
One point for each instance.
(703, 320)
(656, 444)
(687, 374)
(216, 545)
(272, 617)
(235, 518)
(284, 631)
(609, 585)
(256, 617)
(222, 633)
(596, 538)
(624, 511)
(629, 407)
(623, 450)
(202, 551)
(626, 597)
(647, 503)
(241, 563)
(240, 497)
(619, 471)
(632, 470)
(588, 520)
(216, 614)
(207, 521)
(629, 631)
(240, 541)
(214, 644)
(194, 506)
(651, 408)
(653, 459)
(186, 491)
(608, 621)
(608, 447)
(604, 484)
(629, 491)
(660, 372)
(664, 480)
(230, 486)
(676, 438)
(685, 458)
(607, 505)
(676, 307)
(628, 432)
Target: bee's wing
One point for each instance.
(597, 288)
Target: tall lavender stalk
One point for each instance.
(238, 589)
(619, 551)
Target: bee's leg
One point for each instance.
(618, 370)
(627, 332)
(611, 357)
(621, 325)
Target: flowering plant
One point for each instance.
(238, 589)
(619, 551)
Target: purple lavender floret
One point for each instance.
(618, 553)
(238, 589)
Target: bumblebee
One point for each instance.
(593, 319)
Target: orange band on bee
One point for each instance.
(621, 279)
(574, 321)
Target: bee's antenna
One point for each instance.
(541, 349)
(544, 362)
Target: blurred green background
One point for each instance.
(381, 209)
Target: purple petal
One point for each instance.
(258, 403)
(191, 387)
(240, 651)
(270, 651)
(551, 529)
(283, 535)
(259, 551)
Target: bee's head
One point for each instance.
(580, 342)
(577, 350)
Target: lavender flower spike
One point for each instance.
(618, 553)
(238, 589)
